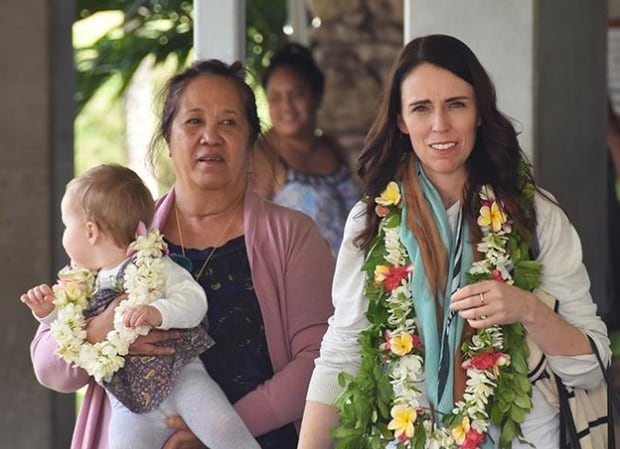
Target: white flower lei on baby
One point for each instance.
(393, 366)
(143, 284)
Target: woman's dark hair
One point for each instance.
(496, 154)
(300, 59)
(174, 88)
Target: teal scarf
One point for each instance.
(425, 304)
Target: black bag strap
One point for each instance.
(569, 439)
(568, 431)
(613, 402)
(567, 423)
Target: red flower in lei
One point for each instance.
(497, 275)
(484, 360)
(395, 275)
(473, 439)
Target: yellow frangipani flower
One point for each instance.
(402, 421)
(381, 271)
(492, 216)
(401, 343)
(460, 432)
(390, 196)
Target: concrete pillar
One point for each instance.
(614, 8)
(36, 123)
(297, 22)
(219, 29)
(547, 59)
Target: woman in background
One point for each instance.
(295, 165)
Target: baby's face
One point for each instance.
(75, 237)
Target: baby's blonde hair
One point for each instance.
(115, 198)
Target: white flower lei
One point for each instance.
(401, 353)
(406, 365)
(143, 284)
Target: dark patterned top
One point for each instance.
(239, 361)
(145, 381)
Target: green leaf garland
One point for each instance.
(371, 414)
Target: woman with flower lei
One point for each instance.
(436, 310)
(102, 210)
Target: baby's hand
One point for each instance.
(142, 316)
(39, 300)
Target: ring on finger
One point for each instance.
(483, 317)
(482, 298)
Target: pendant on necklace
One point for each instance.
(204, 265)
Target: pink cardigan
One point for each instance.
(292, 269)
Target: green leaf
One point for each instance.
(496, 415)
(519, 365)
(508, 433)
(420, 443)
(522, 383)
(507, 395)
(517, 414)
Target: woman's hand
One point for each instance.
(487, 303)
(182, 438)
(149, 344)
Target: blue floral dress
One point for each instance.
(326, 198)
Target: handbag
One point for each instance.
(587, 416)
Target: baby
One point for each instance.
(103, 211)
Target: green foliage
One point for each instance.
(265, 20)
(365, 404)
(100, 133)
(509, 407)
(163, 29)
(366, 401)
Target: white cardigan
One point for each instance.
(564, 277)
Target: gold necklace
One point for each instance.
(219, 241)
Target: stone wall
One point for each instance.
(355, 46)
